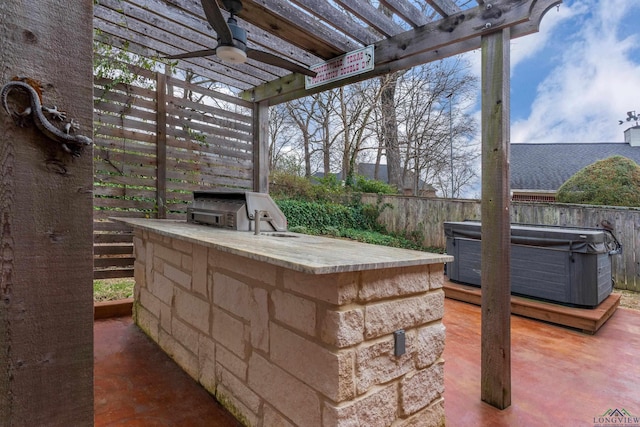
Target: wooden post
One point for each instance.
(261, 147)
(161, 145)
(46, 237)
(496, 229)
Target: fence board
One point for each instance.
(211, 93)
(426, 217)
(117, 262)
(123, 249)
(110, 135)
(102, 176)
(126, 122)
(115, 273)
(207, 146)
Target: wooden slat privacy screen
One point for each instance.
(154, 146)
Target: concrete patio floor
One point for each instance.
(560, 377)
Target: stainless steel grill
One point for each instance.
(236, 210)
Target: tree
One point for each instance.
(614, 181)
(357, 103)
(431, 137)
(329, 131)
(301, 112)
(402, 119)
(281, 132)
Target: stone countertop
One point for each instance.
(299, 252)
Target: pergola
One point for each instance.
(305, 32)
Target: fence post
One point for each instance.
(261, 147)
(46, 199)
(496, 227)
(161, 145)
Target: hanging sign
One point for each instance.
(350, 64)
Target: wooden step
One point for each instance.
(109, 309)
(588, 320)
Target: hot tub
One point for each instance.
(564, 265)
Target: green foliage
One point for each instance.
(355, 221)
(327, 207)
(329, 188)
(331, 182)
(613, 182)
(118, 64)
(326, 217)
(285, 185)
(112, 63)
(364, 185)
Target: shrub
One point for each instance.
(285, 185)
(328, 207)
(322, 217)
(329, 188)
(614, 182)
(364, 185)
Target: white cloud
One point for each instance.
(593, 80)
(593, 83)
(529, 46)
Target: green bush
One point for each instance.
(284, 185)
(613, 182)
(321, 217)
(327, 207)
(364, 185)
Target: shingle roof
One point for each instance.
(548, 166)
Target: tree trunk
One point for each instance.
(326, 145)
(307, 154)
(46, 308)
(390, 129)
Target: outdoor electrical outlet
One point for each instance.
(398, 343)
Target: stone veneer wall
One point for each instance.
(280, 348)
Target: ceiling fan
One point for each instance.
(232, 40)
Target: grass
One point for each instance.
(112, 289)
(629, 299)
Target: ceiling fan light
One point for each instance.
(231, 54)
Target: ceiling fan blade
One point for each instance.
(195, 54)
(217, 21)
(277, 61)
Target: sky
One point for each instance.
(573, 80)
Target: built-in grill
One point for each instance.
(236, 210)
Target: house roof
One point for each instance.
(548, 166)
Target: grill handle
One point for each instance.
(258, 217)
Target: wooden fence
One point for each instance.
(154, 145)
(426, 216)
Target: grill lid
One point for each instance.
(235, 210)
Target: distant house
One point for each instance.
(368, 171)
(538, 170)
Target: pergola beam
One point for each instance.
(372, 16)
(437, 40)
(339, 20)
(408, 11)
(444, 7)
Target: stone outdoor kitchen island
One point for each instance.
(288, 329)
